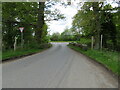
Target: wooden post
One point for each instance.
(15, 43)
(92, 42)
(101, 41)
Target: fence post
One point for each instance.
(101, 41)
(15, 43)
(92, 42)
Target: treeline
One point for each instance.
(93, 19)
(30, 15)
(66, 35)
(96, 19)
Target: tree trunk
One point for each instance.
(40, 22)
(97, 23)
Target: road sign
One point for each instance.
(21, 29)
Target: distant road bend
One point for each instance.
(57, 67)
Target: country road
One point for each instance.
(57, 67)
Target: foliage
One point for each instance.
(95, 19)
(17, 15)
(66, 35)
(85, 41)
(55, 36)
(45, 38)
(31, 16)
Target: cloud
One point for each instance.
(60, 25)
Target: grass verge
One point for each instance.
(107, 58)
(10, 54)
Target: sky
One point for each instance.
(60, 25)
(69, 12)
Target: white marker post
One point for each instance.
(101, 41)
(92, 40)
(15, 43)
(21, 30)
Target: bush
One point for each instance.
(45, 45)
(86, 41)
(35, 45)
(82, 46)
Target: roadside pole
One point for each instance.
(22, 39)
(101, 41)
(21, 30)
(92, 42)
(15, 43)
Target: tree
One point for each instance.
(116, 21)
(16, 15)
(94, 19)
(67, 35)
(108, 29)
(40, 22)
(55, 36)
(31, 16)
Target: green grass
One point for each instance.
(109, 59)
(10, 53)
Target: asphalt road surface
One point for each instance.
(57, 67)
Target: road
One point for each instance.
(57, 67)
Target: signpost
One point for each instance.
(21, 30)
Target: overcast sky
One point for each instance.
(69, 12)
